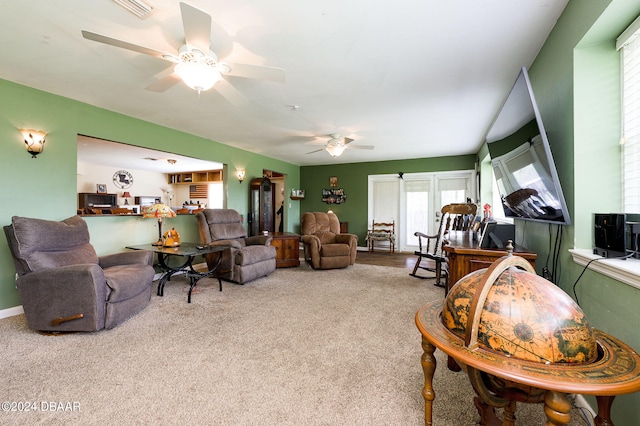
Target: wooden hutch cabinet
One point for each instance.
(262, 201)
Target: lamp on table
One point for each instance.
(158, 211)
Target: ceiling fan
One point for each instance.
(336, 145)
(196, 64)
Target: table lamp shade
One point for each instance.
(158, 211)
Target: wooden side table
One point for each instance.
(344, 227)
(287, 246)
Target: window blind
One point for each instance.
(629, 43)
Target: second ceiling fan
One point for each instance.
(337, 145)
(196, 64)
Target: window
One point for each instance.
(629, 45)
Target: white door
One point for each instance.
(384, 200)
(415, 201)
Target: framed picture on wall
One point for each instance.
(333, 181)
(101, 188)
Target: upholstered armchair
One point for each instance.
(324, 246)
(249, 257)
(65, 286)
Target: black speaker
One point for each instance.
(610, 234)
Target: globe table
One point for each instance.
(616, 372)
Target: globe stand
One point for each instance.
(503, 372)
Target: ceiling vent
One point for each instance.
(137, 7)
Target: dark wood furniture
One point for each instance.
(189, 251)
(464, 256)
(287, 246)
(262, 202)
(453, 217)
(616, 372)
(96, 201)
(344, 227)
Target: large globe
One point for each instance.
(523, 316)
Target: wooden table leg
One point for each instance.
(429, 367)
(557, 408)
(604, 411)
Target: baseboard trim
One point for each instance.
(11, 312)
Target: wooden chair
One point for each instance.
(455, 217)
(381, 231)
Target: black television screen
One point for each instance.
(521, 159)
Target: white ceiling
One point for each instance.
(413, 78)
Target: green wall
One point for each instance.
(576, 80)
(45, 187)
(353, 178)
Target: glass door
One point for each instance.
(414, 201)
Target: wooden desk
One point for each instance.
(465, 256)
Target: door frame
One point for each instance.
(434, 198)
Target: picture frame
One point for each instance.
(101, 188)
(333, 181)
(297, 193)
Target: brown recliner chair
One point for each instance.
(249, 257)
(324, 246)
(65, 286)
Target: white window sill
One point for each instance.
(626, 271)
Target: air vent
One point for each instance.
(137, 7)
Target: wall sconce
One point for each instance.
(34, 140)
(240, 174)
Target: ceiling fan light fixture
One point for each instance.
(335, 150)
(197, 75)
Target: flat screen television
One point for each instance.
(521, 159)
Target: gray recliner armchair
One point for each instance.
(249, 257)
(65, 286)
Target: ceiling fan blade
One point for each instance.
(347, 141)
(259, 72)
(164, 83)
(316, 142)
(360, 147)
(197, 27)
(317, 150)
(230, 93)
(125, 45)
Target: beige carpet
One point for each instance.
(300, 347)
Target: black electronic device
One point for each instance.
(632, 234)
(610, 234)
(524, 169)
(497, 235)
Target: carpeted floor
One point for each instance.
(299, 347)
